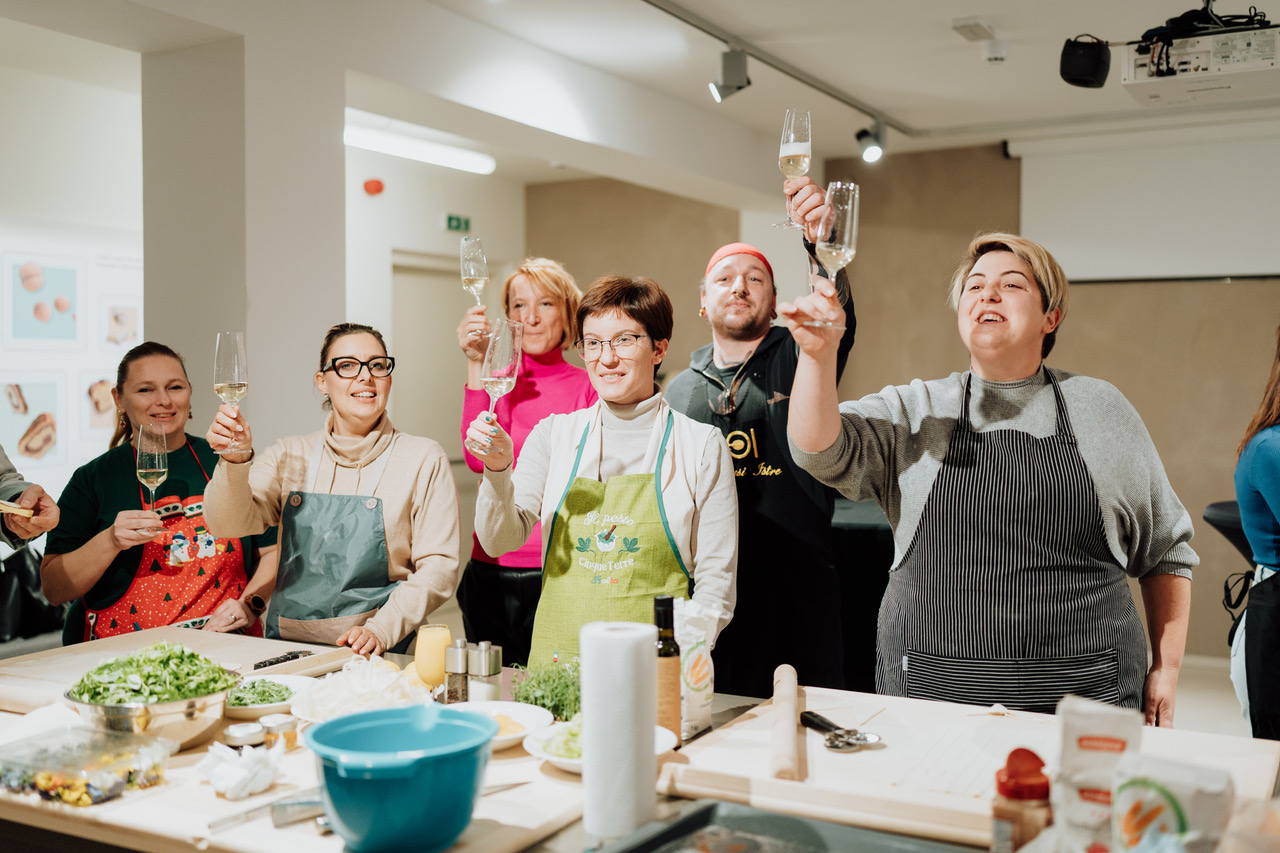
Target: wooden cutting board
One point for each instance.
(33, 680)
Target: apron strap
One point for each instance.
(1060, 407)
(375, 470)
(657, 489)
(555, 516)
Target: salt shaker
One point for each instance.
(455, 672)
(484, 667)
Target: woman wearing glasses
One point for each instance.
(499, 595)
(368, 515)
(635, 500)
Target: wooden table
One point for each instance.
(730, 762)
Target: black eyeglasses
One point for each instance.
(726, 402)
(349, 368)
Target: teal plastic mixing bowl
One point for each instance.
(403, 778)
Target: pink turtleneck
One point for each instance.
(548, 385)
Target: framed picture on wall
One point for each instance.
(96, 410)
(43, 301)
(120, 322)
(32, 418)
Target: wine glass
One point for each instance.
(475, 270)
(794, 153)
(839, 241)
(153, 459)
(501, 364)
(231, 375)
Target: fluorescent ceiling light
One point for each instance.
(973, 29)
(401, 139)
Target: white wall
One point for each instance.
(1168, 205)
(71, 169)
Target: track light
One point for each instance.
(871, 140)
(733, 74)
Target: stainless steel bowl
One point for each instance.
(187, 721)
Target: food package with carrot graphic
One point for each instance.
(694, 630)
(1095, 738)
(1161, 805)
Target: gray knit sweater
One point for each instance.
(892, 445)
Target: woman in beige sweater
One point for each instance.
(368, 515)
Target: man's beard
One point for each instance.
(742, 328)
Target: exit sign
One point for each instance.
(453, 222)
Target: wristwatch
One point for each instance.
(256, 604)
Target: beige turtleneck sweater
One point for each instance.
(419, 506)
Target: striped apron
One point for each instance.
(1009, 593)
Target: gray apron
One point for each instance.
(333, 558)
(1008, 593)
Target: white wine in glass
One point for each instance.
(231, 375)
(794, 153)
(153, 459)
(501, 365)
(839, 242)
(475, 270)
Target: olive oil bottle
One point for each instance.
(668, 665)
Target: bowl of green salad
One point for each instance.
(166, 690)
(258, 695)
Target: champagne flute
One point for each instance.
(231, 376)
(501, 364)
(839, 241)
(794, 153)
(153, 459)
(475, 270)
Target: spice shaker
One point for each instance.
(455, 672)
(1021, 809)
(241, 735)
(484, 668)
(280, 726)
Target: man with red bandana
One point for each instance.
(788, 608)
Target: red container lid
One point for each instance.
(1022, 777)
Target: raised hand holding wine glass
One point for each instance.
(501, 366)
(153, 459)
(794, 153)
(838, 241)
(231, 378)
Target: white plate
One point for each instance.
(531, 718)
(534, 744)
(297, 683)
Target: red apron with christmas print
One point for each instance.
(184, 574)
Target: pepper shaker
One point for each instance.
(455, 672)
(484, 667)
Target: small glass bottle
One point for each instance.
(455, 672)
(280, 726)
(668, 665)
(484, 668)
(1021, 809)
(238, 736)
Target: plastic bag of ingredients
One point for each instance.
(1095, 736)
(1254, 828)
(694, 630)
(1168, 806)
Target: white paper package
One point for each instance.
(694, 630)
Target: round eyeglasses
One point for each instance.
(623, 346)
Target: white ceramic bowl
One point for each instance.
(296, 683)
(535, 745)
(530, 718)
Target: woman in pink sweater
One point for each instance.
(499, 596)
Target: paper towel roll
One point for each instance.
(619, 714)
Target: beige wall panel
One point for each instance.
(600, 226)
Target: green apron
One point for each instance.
(609, 552)
(333, 559)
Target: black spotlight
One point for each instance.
(1085, 63)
